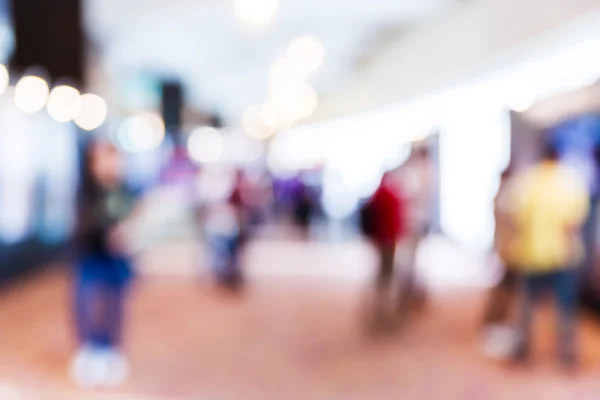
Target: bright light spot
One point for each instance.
(307, 52)
(253, 125)
(31, 94)
(141, 133)
(268, 116)
(206, 145)
(93, 112)
(4, 78)
(256, 12)
(289, 105)
(521, 96)
(64, 103)
(278, 112)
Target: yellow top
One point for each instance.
(550, 204)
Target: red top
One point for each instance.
(389, 222)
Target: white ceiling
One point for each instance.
(224, 64)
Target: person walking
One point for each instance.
(551, 203)
(384, 224)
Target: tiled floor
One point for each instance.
(292, 336)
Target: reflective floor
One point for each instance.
(296, 334)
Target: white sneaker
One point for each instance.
(95, 368)
(117, 368)
(500, 341)
(83, 369)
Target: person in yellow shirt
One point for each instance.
(550, 203)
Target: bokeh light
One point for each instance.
(307, 53)
(31, 94)
(256, 12)
(142, 132)
(4, 78)
(93, 112)
(206, 145)
(253, 125)
(64, 103)
(289, 105)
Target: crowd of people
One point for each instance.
(230, 204)
(539, 212)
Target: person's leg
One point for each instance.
(110, 364)
(509, 287)
(82, 306)
(219, 253)
(90, 312)
(100, 315)
(500, 335)
(531, 287)
(499, 301)
(113, 315)
(412, 294)
(565, 288)
(383, 285)
(386, 267)
(86, 368)
(234, 277)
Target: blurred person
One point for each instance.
(499, 333)
(416, 177)
(257, 198)
(224, 238)
(284, 192)
(303, 210)
(103, 269)
(227, 225)
(383, 222)
(551, 202)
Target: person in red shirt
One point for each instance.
(387, 220)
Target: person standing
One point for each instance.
(384, 224)
(103, 268)
(551, 202)
(224, 219)
(417, 177)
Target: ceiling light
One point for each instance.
(253, 125)
(142, 132)
(307, 52)
(206, 145)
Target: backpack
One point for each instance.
(367, 219)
